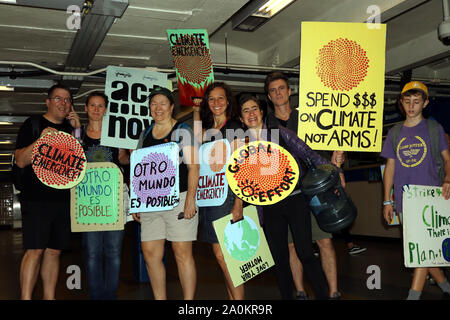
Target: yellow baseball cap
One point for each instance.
(417, 85)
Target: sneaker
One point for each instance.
(301, 295)
(356, 249)
(336, 296)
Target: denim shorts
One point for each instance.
(209, 214)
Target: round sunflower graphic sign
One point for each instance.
(262, 173)
(58, 160)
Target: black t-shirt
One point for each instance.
(291, 123)
(231, 125)
(284, 123)
(172, 136)
(95, 152)
(34, 189)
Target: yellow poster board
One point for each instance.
(341, 93)
(262, 173)
(244, 246)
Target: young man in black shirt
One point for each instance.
(278, 91)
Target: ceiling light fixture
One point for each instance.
(256, 13)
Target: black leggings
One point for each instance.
(293, 211)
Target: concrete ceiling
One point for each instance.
(31, 32)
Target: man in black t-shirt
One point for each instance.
(277, 89)
(45, 210)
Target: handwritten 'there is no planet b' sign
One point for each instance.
(426, 227)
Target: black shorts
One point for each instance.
(45, 225)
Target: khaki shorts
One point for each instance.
(165, 224)
(316, 232)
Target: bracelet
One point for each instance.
(385, 203)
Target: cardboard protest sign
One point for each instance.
(58, 160)
(262, 173)
(128, 112)
(426, 227)
(212, 189)
(154, 178)
(244, 246)
(96, 203)
(193, 64)
(395, 218)
(341, 96)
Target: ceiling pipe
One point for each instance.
(59, 73)
(216, 65)
(85, 74)
(446, 10)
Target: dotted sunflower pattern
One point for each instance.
(68, 146)
(194, 69)
(342, 64)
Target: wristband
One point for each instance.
(385, 203)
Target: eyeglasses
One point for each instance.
(59, 99)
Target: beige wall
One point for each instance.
(368, 199)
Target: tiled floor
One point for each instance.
(352, 270)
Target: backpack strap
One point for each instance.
(433, 131)
(182, 125)
(395, 131)
(35, 126)
(148, 131)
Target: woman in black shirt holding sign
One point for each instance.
(283, 214)
(178, 225)
(103, 279)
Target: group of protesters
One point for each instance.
(288, 225)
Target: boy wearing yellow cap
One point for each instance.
(410, 161)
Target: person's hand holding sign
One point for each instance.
(446, 183)
(197, 101)
(136, 217)
(338, 159)
(237, 211)
(73, 118)
(189, 208)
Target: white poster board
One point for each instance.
(212, 189)
(128, 111)
(154, 178)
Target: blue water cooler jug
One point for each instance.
(331, 206)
